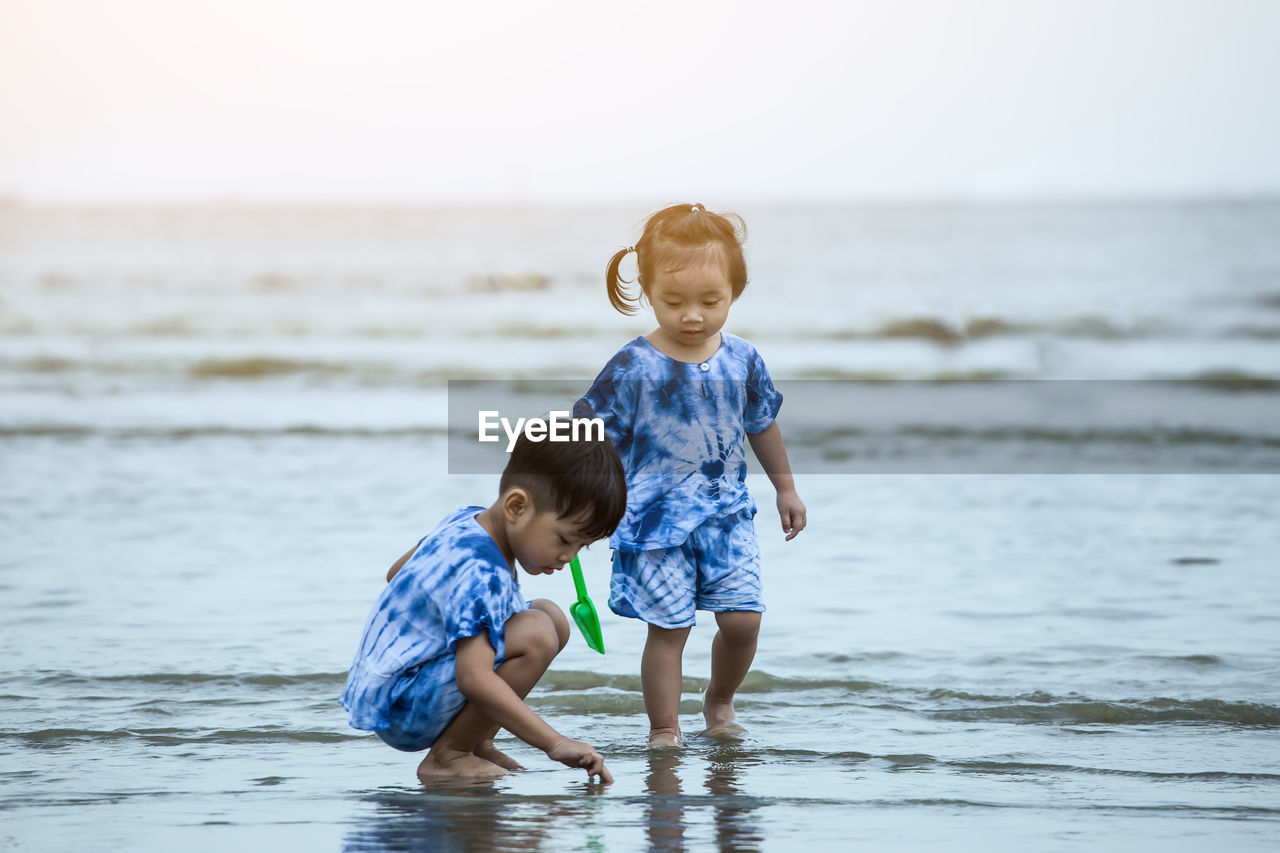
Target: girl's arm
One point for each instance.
(772, 454)
(478, 682)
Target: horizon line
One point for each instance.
(1046, 199)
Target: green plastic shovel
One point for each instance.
(584, 612)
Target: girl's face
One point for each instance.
(690, 305)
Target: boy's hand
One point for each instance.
(792, 511)
(575, 753)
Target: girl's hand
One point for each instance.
(791, 510)
(574, 753)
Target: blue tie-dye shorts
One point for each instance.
(425, 699)
(717, 568)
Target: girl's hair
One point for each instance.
(678, 237)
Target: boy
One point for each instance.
(451, 648)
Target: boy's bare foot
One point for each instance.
(665, 739)
(489, 752)
(443, 764)
(721, 721)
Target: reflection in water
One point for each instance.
(736, 827)
(736, 822)
(476, 817)
(471, 817)
(665, 806)
(454, 817)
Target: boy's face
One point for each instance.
(544, 542)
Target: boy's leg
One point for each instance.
(485, 749)
(533, 640)
(661, 678)
(732, 651)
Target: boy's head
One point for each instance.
(580, 482)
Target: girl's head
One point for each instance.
(678, 238)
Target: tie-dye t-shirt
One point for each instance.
(456, 584)
(680, 428)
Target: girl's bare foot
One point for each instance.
(721, 721)
(489, 752)
(443, 764)
(665, 739)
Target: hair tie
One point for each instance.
(630, 249)
(693, 209)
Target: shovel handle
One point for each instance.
(578, 583)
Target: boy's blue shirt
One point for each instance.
(680, 430)
(456, 584)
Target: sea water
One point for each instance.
(219, 426)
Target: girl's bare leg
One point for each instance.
(533, 640)
(661, 676)
(732, 651)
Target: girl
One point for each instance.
(677, 404)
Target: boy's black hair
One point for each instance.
(583, 476)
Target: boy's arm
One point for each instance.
(772, 454)
(478, 682)
(399, 564)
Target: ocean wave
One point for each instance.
(1122, 712)
(180, 679)
(930, 329)
(211, 320)
(1197, 661)
(1229, 380)
(258, 367)
(951, 333)
(756, 681)
(592, 694)
(252, 368)
(581, 692)
(171, 736)
(393, 372)
(1031, 768)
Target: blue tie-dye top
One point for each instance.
(679, 428)
(456, 584)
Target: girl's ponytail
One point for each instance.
(614, 283)
(677, 237)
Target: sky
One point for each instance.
(407, 101)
